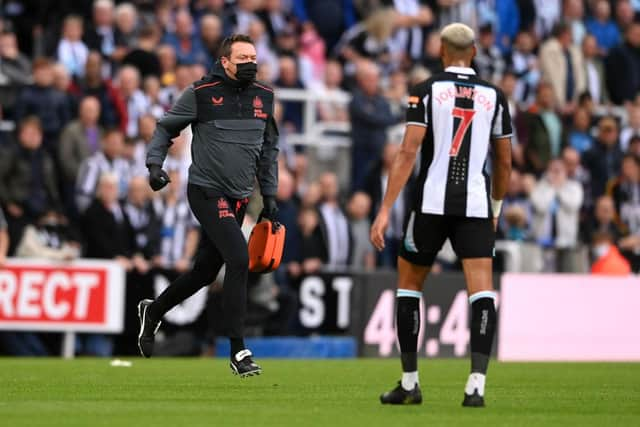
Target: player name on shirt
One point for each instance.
(462, 114)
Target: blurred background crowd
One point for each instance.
(82, 84)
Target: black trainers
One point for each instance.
(148, 328)
(400, 396)
(473, 400)
(243, 365)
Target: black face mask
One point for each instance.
(246, 72)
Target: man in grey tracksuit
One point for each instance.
(235, 140)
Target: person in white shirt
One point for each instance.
(72, 52)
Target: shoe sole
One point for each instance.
(253, 373)
(142, 316)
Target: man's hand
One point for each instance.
(157, 177)
(14, 210)
(378, 229)
(270, 208)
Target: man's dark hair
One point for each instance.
(30, 121)
(225, 48)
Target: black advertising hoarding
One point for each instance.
(363, 305)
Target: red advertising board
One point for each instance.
(84, 296)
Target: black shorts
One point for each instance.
(424, 235)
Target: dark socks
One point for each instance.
(483, 327)
(408, 326)
(237, 344)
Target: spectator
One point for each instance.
(556, 203)
(397, 92)
(289, 79)
(258, 34)
(623, 67)
(288, 216)
(151, 87)
(15, 72)
(106, 236)
(576, 172)
(578, 136)
(562, 66)
(489, 61)
(101, 35)
(431, 58)
(333, 223)
(524, 64)
(28, 186)
(631, 129)
(126, 22)
(314, 252)
(79, 139)
(113, 110)
(329, 93)
(45, 102)
(359, 210)
(145, 226)
(136, 151)
(170, 93)
(49, 238)
(594, 67)
(542, 133)
(573, 14)
(143, 56)
(602, 27)
(239, 16)
(137, 104)
(185, 41)
(62, 82)
(179, 232)
(370, 116)
(625, 190)
(625, 14)
(508, 86)
(634, 146)
(603, 220)
(608, 259)
(514, 224)
(71, 51)
(545, 18)
(108, 160)
(412, 19)
(211, 37)
(376, 186)
(168, 61)
(331, 18)
(369, 40)
(603, 160)
(275, 17)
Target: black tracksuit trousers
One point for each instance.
(221, 242)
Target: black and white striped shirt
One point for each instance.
(89, 175)
(462, 114)
(177, 220)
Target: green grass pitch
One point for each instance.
(340, 393)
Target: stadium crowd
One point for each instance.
(82, 84)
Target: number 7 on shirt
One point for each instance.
(466, 116)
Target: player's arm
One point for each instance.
(401, 170)
(183, 112)
(501, 141)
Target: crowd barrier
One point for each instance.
(541, 317)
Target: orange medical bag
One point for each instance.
(266, 244)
